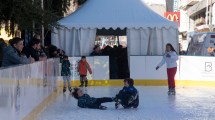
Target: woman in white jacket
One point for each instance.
(170, 57)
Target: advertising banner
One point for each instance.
(173, 16)
(197, 68)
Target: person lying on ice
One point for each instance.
(85, 101)
(128, 97)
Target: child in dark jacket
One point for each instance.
(128, 97)
(66, 73)
(85, 101)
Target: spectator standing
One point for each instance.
(33, 50)
(96, 51)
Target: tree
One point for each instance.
(25, 14)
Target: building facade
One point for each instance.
(200, 14)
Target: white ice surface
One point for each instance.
(191, 103)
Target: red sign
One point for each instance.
(173, 16)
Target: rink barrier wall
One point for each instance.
(42, 106)
(39, 83)
(26, 90)
(190, 70)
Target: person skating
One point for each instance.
(170, 57)
(83, 66)
(66, 73)
(128, 97)
(85, 101)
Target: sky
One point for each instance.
(155, 1)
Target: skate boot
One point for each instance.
(171, 91)
(70, 89)
(117, 104)
(64, 89)
(86, 83)
(82, 84)
(102, 107)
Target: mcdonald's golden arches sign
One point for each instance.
(173, 16)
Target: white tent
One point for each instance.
(147, 32)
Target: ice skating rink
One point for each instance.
(189, 103)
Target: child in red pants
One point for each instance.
(170, 57)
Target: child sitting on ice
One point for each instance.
(128, 97)
(85, 101)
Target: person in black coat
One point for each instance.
(128, 97)
(33, 49)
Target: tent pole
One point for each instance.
(118, 40)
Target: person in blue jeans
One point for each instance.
(85, 101)
(66, 73)
(128, 97)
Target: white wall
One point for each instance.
(189, 68)
(99, 66)
(184, 21)
(143, 68)
(197, 68)
(22, 88)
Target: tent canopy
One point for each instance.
(115, 14)
(147, 32)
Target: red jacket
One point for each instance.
(83, 67)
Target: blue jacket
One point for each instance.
(130, 90)
(127, 94)
(11, 57)
(65, 68)
(86, 101)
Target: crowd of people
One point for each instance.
(15, 53)
(118, 60)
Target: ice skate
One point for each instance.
(86, 83)
(82, 85)
(64, 89)
(117, 104)
(171, 91)
(85, 89)
(70, 89)
(102, 107)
